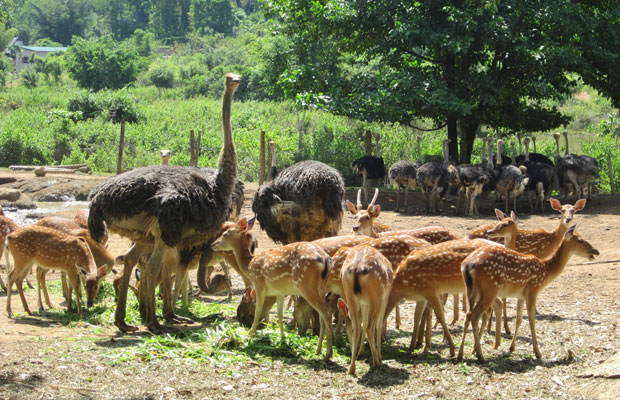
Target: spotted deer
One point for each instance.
(366, 277)
(52, 249)
(7, 225)
(100, 253)
(424, 275)
(493, 272)
(366, 218)
(296, 269)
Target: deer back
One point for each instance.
(330, 245)
(366, 275)
(432, 234)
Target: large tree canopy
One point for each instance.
(460, 62)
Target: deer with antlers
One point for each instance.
(52, 249)
(366, 277)
(424, 275)
(492, 272)
(297, 269)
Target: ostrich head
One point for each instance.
(164, 156)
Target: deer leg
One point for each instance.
(260, 301)
(152, 270)
(371, 330)
(530, 303)
(486, 299)
(228, 283)
(497, 306)
(40, 276)
(459, 356)
(317, 301)
(74, 280)
(355, 339)
(130, 260)
(397, 316)
(435, 304)
(513, 343)
(505, 316)
(455, 308)
(280, 303)
(419, 310)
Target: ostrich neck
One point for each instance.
(527, 151)
(499, 155)
(419, 153)
(490, 160)
(557, 148)
(227, 163)
(446, 155)
(377, 149)
(520, 146)
(566, 140)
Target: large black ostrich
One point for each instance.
(303, 203)
(368, 167)
(176, 210)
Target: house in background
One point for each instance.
(22, 60)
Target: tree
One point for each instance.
(161, 75)
(101, 63)
(212, 15)
(30, 78)
(460, 63)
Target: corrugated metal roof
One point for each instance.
(44, 49)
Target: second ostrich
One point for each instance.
(303, 203)
(177, 210)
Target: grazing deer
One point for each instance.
(424, 275)
(81, 219)
(298, 269)
(52, 249)
(493, 272)
(7, 225)
(366, 282)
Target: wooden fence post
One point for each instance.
(611, 174)
(121, 145)
(191, 148)
(270, 158)
(197, 148)
(368, 143)
(261, 171)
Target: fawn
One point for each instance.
(366, 282)
(52, 249)
(299, 269)
(492, 272)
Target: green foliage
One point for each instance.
(5, 67)
(101, 64)
(216, 16)
(161, 75)
(142, 41)
(30, 78)
(85, 106)
(6, 35)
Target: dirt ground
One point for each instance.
(577, 326)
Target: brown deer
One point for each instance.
(366, 282)
(52, 249)
(298, 269)
(368, 215)
(424, 275)
(493, 272)
(7, 225)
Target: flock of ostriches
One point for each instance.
(181, 218)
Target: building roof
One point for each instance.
(43, 48)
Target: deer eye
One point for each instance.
(368, 217)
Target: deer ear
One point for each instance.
(500, 214)
(351, 207)
(342, 306)
(242, 225)
(580, 204)
(374, 211)
(570, 232)
(555, 204)
(102, 271)
(513, 216)
(251, 223)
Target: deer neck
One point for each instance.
(555, 264)
(510, 241)
(243, 256)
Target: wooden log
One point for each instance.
(121, 146)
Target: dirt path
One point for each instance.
(578, 327)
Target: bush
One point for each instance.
(161, 75)
(30, 78)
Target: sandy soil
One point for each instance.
(578, 322)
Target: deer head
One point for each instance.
(567, 210)
(364, 218)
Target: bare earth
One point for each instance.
(577, 326)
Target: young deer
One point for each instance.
(298, 269)
(424, 275)
(366, 281)
(493, 272)
(52, 249)
(7, 225)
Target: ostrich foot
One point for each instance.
(123, 327)
(177, 319)
(157, 328)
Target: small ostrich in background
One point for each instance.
(433, 178)
(164, 156)
(369, 167)
(177, 210)
(303, 203)
(542, 177)
(511, 180)
(403, 175)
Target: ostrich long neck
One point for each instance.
(566, 140)
(227, 162)
(490, 160)
(557, 148)
(520, 146)
(419, 151)
(527, 150)
(483, 155)
(446, 155)
(377, 149)
(498, 160)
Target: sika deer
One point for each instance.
(424, 275)
(298, 269)
(365, 219)
(493, 272)
(366, 281)
(52, 249)
(7, 225)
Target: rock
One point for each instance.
(9, 195)
(39, 171)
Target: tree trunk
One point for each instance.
(121, 145)
(468, 136)
(453, 135)
(261, 171)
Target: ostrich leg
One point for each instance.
(131, 259)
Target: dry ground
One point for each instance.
(577, 326)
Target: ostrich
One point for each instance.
(164, 156)
(369, 167)
(474, 179)
(433, 178)
(590, 169)
(177, 210)
(574, 172)
(542, 177)
(403, 175)
(534, 156)
(511, 180)
(303, 203)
